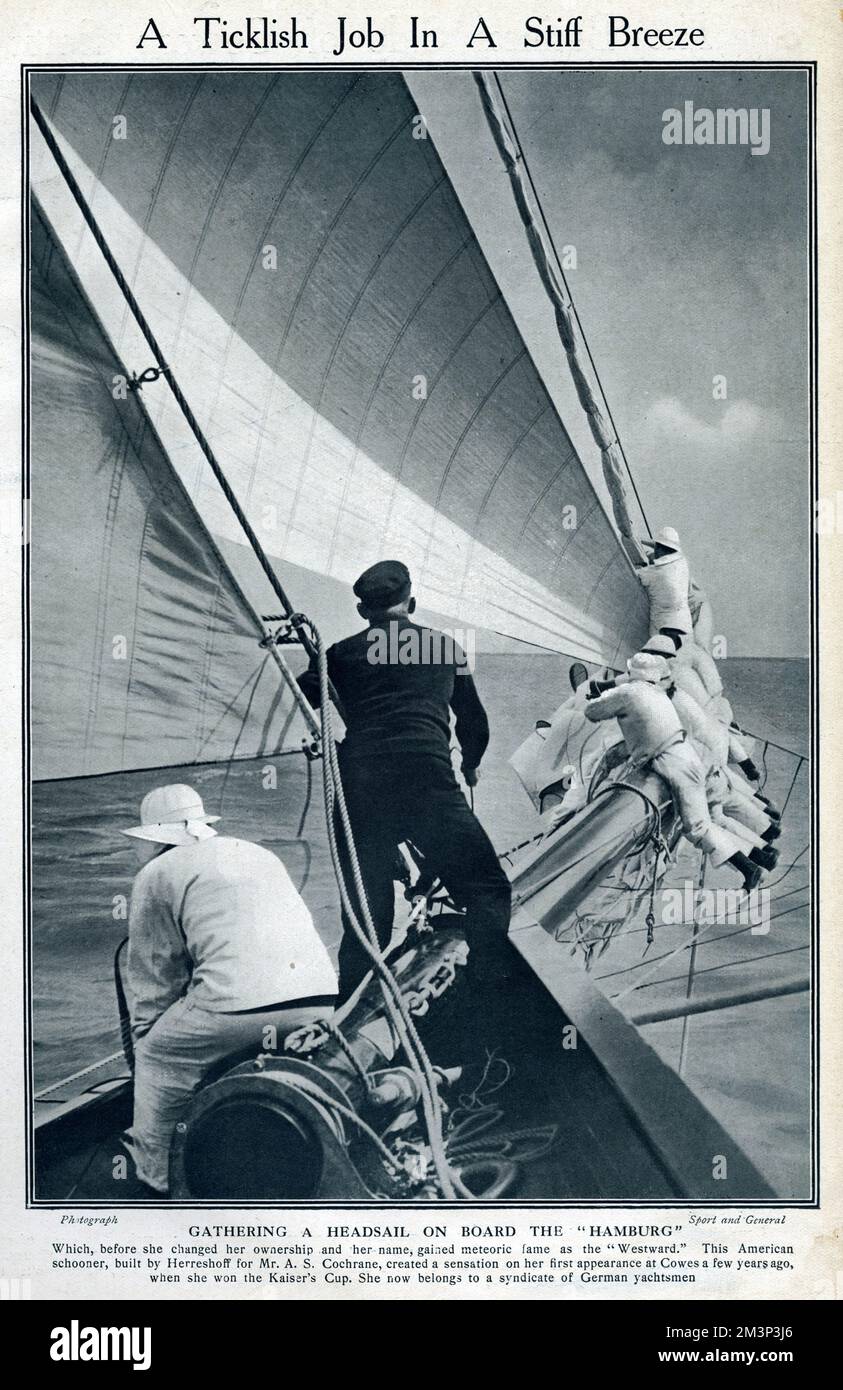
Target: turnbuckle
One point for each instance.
(650, 921)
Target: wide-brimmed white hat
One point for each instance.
(172, 815)
(647, 666)
(666, 537)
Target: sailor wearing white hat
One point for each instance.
(172, 815)
(694, 672)
(223, 954)
(698, 681)
(653, 734)
(667, 580)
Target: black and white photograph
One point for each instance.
(421, 635)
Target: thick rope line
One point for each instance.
(554, 283)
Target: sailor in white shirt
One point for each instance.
(695, 673)
(556, 762)
(654, 735)
(667, 579)
(728, 794)
(223, 957)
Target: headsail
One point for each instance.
(146, 651)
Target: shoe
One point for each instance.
(772, 833)
(751, 871)
(749, 770)
(767, 858)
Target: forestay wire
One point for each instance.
(552, 276)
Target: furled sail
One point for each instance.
(145, 651)
(320, 294)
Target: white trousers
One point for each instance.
(744, 813)
(175, 1056)
(682, 769)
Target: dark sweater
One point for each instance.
(398, 684)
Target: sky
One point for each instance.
(691, 265)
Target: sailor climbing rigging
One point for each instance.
(667, 580)
(654, 735)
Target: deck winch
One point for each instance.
(332, 1115)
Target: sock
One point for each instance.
(768, 858)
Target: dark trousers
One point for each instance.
(417, 798)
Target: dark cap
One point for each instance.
(384, 584)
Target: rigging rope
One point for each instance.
(567, 321)
(123, 1010)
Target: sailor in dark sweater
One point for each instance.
(398, 684)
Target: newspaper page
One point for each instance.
(421, 540)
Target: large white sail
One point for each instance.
(322, 298)
(145, 651)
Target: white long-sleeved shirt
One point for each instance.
(667, 583)
(644, 712)
(685, 678)
(222, 921)
(697, 659)
(709, 736)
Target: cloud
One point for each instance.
(739, 422)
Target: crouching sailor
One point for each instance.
(653, 734)
(398, 683)
(221, 950)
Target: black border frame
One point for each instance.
(809, 68)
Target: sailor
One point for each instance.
(223, 957)
(556, 762)
(667, 580)
(695, 673)
(654, 735)
(399, 683)
(727, 805)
